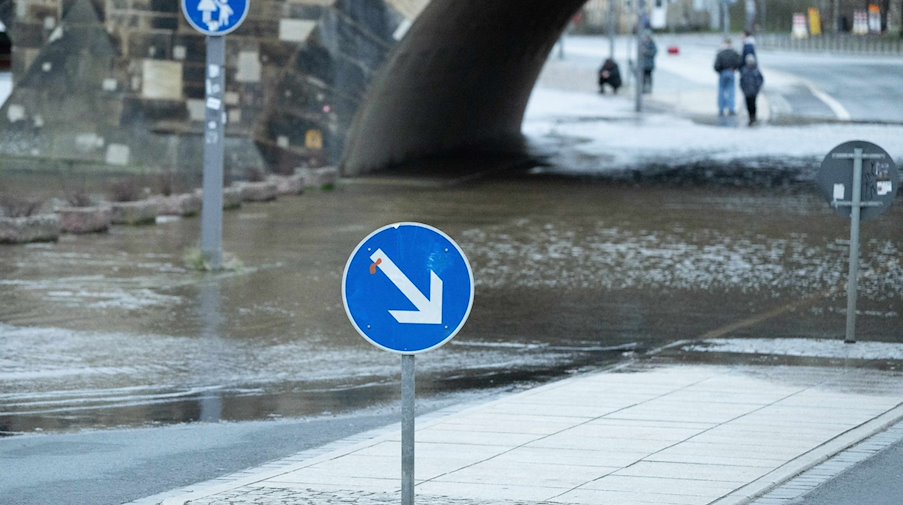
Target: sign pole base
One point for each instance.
(214, 148)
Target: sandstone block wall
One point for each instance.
(121, 82)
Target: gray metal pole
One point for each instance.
(726, 16)
(638, 106)
(751, 15)
(611, 28)
(407, 429)
(214, 131)
(853, 278)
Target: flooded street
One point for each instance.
(114, 330)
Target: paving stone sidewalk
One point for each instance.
(642, 434)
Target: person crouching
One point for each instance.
(609, 74)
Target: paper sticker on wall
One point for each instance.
(839, 191)
(313, 139)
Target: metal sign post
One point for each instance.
(611, 29)
(214, 19)
(214, 148)
(638, 71)
(395, 269)
(872, 191)
(726, 16)
(407, 429)
(853, 276)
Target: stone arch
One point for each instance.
(460, 78)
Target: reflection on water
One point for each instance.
(211, 403)
(113, 330)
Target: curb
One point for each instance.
(746, 494)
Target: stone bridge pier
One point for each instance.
(461, 78)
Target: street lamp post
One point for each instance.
(640, 8)
(726, 16)
(751, 9)
(611, 28)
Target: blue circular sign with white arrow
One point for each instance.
(407, 288)
(215, 17)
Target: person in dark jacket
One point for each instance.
(648, 50)
(727, 62)
(751, 81)
(609, 74)
(749, 45)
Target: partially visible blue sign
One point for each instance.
(407, 288)
(215, 17)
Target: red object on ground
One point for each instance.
(673, 50)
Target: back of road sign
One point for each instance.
(215, 17)
(880, 178)
(407, 288)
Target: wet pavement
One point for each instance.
(665, 228)
(635, 434)
(114, 330)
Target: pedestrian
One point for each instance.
(751, 81)
(610, 74)
(648, 50)
(749, 45)
(727, 62)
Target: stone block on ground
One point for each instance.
(288, 184)
(258, 191)
(85, 219)
(20, 230)
(319, 177)
(232, 197)
(134, 213)
(185, 204)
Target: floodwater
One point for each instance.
(114, 330)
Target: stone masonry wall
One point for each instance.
(121, 82)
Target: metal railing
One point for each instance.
(852, 44)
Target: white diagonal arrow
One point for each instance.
(429, 311)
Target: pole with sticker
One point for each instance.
(215, 19)
(859, 180)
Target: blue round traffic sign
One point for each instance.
(215, 17)
(407, 288)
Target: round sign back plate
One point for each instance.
(880, 178)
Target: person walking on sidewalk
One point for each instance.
(727, 62)
(648, 50)
(751, 81)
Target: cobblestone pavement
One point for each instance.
(276, 496)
